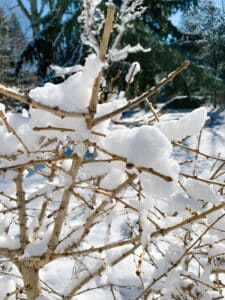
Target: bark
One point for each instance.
(31, 280)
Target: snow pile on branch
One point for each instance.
(189, 125)
(133, 70)
(68, 95)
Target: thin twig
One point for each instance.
(11, 130)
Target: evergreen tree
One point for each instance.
(12, 42)
(58, 39)
(205, 40)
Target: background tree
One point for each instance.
(58, 39)
(12, 42)
(205, 40)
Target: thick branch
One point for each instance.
(22, 209)
(102, 55)
(63, 206)
(106, 33)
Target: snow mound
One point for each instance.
(189, 125)
(69, 95)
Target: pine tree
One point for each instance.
(12, 42)
(58, 39)
(206, 39)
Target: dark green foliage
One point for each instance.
(56, 42)
(59, 40)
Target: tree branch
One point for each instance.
(24, 10)
(138, 100)
(21, 209)
(27, 100)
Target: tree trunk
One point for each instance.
(31, 281)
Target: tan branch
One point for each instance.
(194, 218)
(152, 109)
(140, 261)
(102, 55)
(139, 99)
(11, 130)
(22, 209)
(37, 162)
(53, 128)
(92, 108)
(99, 249)
(9, 92)
(63, 206)
(41, 217)
(208, 181)
(197, 151)
(106, 33)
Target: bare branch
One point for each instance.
(138, 100)
(24, 10)
(27, 100)
(22, 209)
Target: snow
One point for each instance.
(37, 248)
(9, 242)
(200, 191)
(146, 146)
(117, 55)
(113, 179)
(61, 71)
(133, 70)
(68, 95)
(189, 125)
(139, 145)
